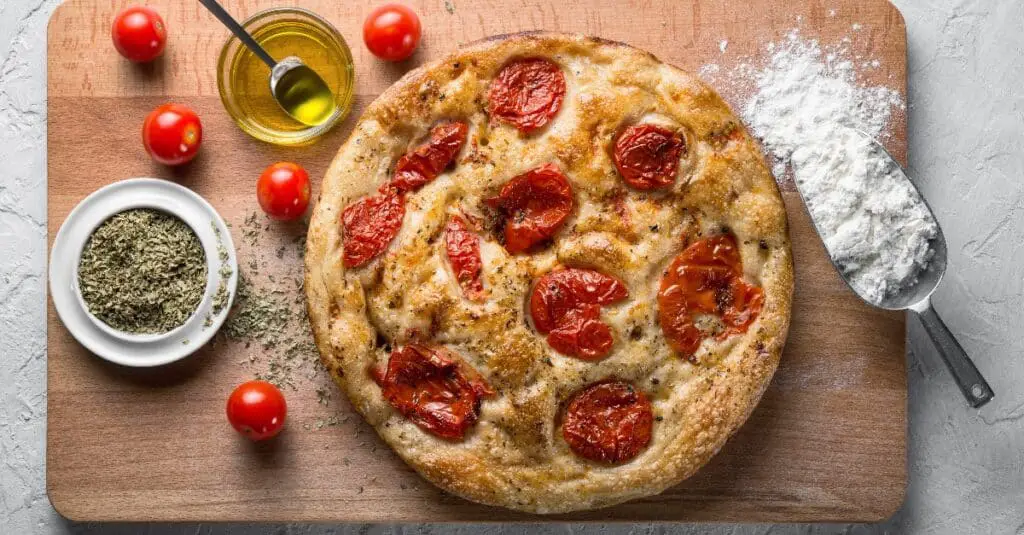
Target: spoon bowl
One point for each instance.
(928, 278)
(916, 297)
(301, 92)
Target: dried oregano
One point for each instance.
(142, 271)
(269, 312)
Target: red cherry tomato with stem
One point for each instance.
(283, 191)
(257, 410)
(392, 32)
(139, 34)
(172, 134)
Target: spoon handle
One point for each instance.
(965, 373)
(237, 29)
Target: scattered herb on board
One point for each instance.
(449, 7)
(251, 230)
(142, 271)
(321, 423)
(269, 315)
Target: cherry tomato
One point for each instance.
(392, 32)
(706, 278)
(139, 34)
(647, 156)
(535, 204)
(463, 248)
(434, 388)
(424, 163)
(283, 191)
(172, 134)
(608, 422)
(370, 224)
(527, 93)
(565, 305)
(257, 410)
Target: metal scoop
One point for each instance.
(291, 80)
(917, 299)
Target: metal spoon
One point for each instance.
(917, 299)
(284, 74)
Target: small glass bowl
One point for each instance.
(250, 103)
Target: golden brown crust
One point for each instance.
(515, 455)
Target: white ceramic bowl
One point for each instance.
(140, 350)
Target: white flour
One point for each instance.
(872, 221)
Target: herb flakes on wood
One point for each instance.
(269, 316)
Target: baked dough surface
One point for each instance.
(515, 455)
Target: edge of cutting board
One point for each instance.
(77, 510)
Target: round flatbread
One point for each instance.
(553, 272)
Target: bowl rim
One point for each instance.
(127, 349)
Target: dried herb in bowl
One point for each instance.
(142, 271)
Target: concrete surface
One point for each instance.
(967, 152)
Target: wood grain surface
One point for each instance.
(828, 441)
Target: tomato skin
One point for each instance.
(527, 93)
(608, 422)
(536, 205)
(566, 306)
(560, 291)
(172, 134)
(139, 34)
(582, 334)
(392, 32)
(707, 278)
(283, 191)
(257, 410)
(463, 248)
(434, 388)
(370, 224)
(647, 156)
(421, 165)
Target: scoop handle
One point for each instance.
(965, 373)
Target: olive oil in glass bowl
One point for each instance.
(244, 80)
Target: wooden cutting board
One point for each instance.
(828, 441)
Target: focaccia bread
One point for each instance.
(553, 272)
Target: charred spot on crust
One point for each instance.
(636, 333)
(720, 137)
(382, 343)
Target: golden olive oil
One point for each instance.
(305, 96)
(311, 95)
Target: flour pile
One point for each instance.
(805, 102)
(873, 221)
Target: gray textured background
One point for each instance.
(966, 151)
